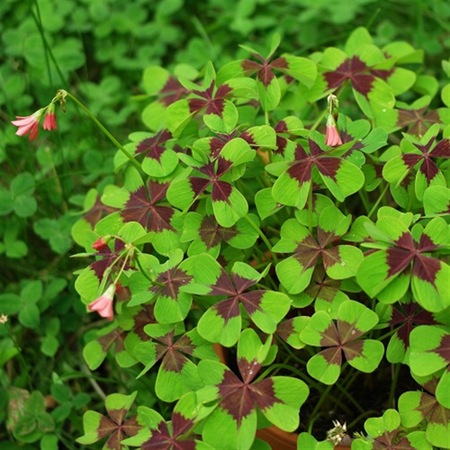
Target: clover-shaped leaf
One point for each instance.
(339, 175)
(404, 318)
(228, 203)
(177, 373)
(401, 257)
(386, 432)
(430, 352)
(222, 322)
(418, 406)
(233, 423)
(419, 158)
(353, 321)
(178, 433)
(340, 261)
(116, 426)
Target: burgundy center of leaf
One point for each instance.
(213, 234)
(408, 317)
(329, 166)
(174, 358)
(98, 211)
(354, 70)
(171, 281)
(114, 337)
(172, 91)
(330, 336)
(353, 349)
(144, 317)
(154, 147)
(332, 355)
(348, 332)
(417, 120)
(444, 348)
(142, 207)
(407, 251)
(212, 104)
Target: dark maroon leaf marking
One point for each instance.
(179, 439)
(170, 281)
(427, 166)
(444, 348)
(98, 211)
(352, 69)
(322, 286)
(114, 337)
(329, 166)
(310, 250)
(332, 355)
(301, 168)
(145, 317)
(234, 287)
(154, 147)
(208, 101)
(432, 411)
(416, 119)
(109, 258)
(330, 336)
(240, 398)
(221, 192)
(341, 338)
(392, 440)
(172, 91)
(264, 69)
(173, 352)
(407, 252)
(143, 207)
(117, 428)
(407, 317)
(301, 171)
(213, 234)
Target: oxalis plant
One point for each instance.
(275, 253)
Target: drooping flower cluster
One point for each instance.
(29, 125)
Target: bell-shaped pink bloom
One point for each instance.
(50, 121)
(104, 305)
(332, 136)
(28, 125)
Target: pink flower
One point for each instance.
(28, 124)
(104, 305)
(50, 119)
(332, 137)
(99, 244)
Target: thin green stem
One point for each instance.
(364, 199)
(25, 366)
(262, 236)
(375, 206)
(47, 49)
(105, 131)
(310, 208)
(396, 371)
(321, 401)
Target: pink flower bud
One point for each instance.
(104, 305)
(99, 244)
(332, 136)
(50, 118)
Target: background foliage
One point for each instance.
(99, 50)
